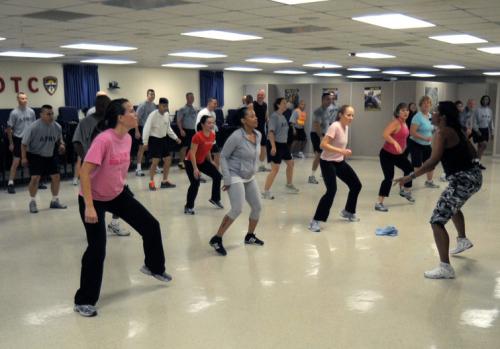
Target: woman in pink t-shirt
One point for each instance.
(393, 154)
(333, 165)
(102, 178)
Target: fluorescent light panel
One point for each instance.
(458, 39)
(99, 47)
(449, 66)
(243, 69)
(373, 55)
(363, 69)
(108, 61)
(327, 74)
(221, 35)
(193, 54)
(423, 75)
(26, 54)
(394, 21)
(290, 72)
(297, 2)
(359, 76)
(396, 72)
(322, 65)
(268, 60)
(2, 38)
(492, 73)
(184, 65)
(493, 50)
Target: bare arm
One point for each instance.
(391, 129)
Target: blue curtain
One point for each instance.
(81, 83)
(211, 85)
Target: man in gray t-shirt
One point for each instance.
(321, 121)
(19, 118)
(186, 121)
(37, 151)
(143, 110)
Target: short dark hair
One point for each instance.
(277, 103)
(457, 102)
(189, 93)
(45, 107)
(101, 103)
(248, 99)
(163, 100)
(150, 90)
(398, 109)
(326, 94)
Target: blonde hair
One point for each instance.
(424, 99)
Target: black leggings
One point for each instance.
(139, 218)
(330, 171)
(388, 161)
(207, 168)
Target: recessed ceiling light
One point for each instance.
(2, 38)
(26, 54)
(184, 65)
(373, 55)
(359, 76)
(396, 72)
(100, 47)
(322, 65)
(394, 21)
(222, 35)
(363, 69)
(244, 69)
(193, 54)
(269, 60)
(458, 39)
(423, 75)
(290, 72)
(327, 74)
(493, 50)
(297, 2)
(108, 61)
(449, 66)
(492, 73)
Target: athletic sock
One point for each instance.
(11, 182)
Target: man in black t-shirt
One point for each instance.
(260, 108)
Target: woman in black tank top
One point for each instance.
(452, 148)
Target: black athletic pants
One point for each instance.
(388, 161)
(207, 168)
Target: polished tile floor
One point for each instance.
(341, 288)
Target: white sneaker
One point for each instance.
(443, 271)
(406, 194)
(380, 207)
(431, 184)
(292, 188)
(314, 226)
(117, 230)
(301, 155)
(263, 168)
(351, 217)
(312, 180)
(267, 195)
(462, 245)
(139, 173)
(75, 181)
(159, 170)
(442, 178)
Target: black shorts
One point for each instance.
(300, 135)
(17, 146)
(159, 148)
(263, 140)
(41, 165)
(482, 136)
(316, 142)
(186, 140)
(282, 153)
(419, 153)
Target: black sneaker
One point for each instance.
(251, 239)
(42, 186)
(11, 189)
(188, 210)
(217, 204)
(166, 185)
(481, 166)
(216, 243)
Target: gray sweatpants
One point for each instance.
(238, 192)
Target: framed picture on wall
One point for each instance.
(333, 91)
(433, 93)
(292, 97)
(373, 98)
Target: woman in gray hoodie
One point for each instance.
(239, 160)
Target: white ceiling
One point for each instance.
(156, 32)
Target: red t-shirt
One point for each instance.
(204, 146)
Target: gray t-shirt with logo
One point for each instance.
(279, 125)
(187, 115)
(20, 119)
(143, 111)
(40, 137)
(83, 132)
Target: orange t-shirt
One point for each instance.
(204, 146)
